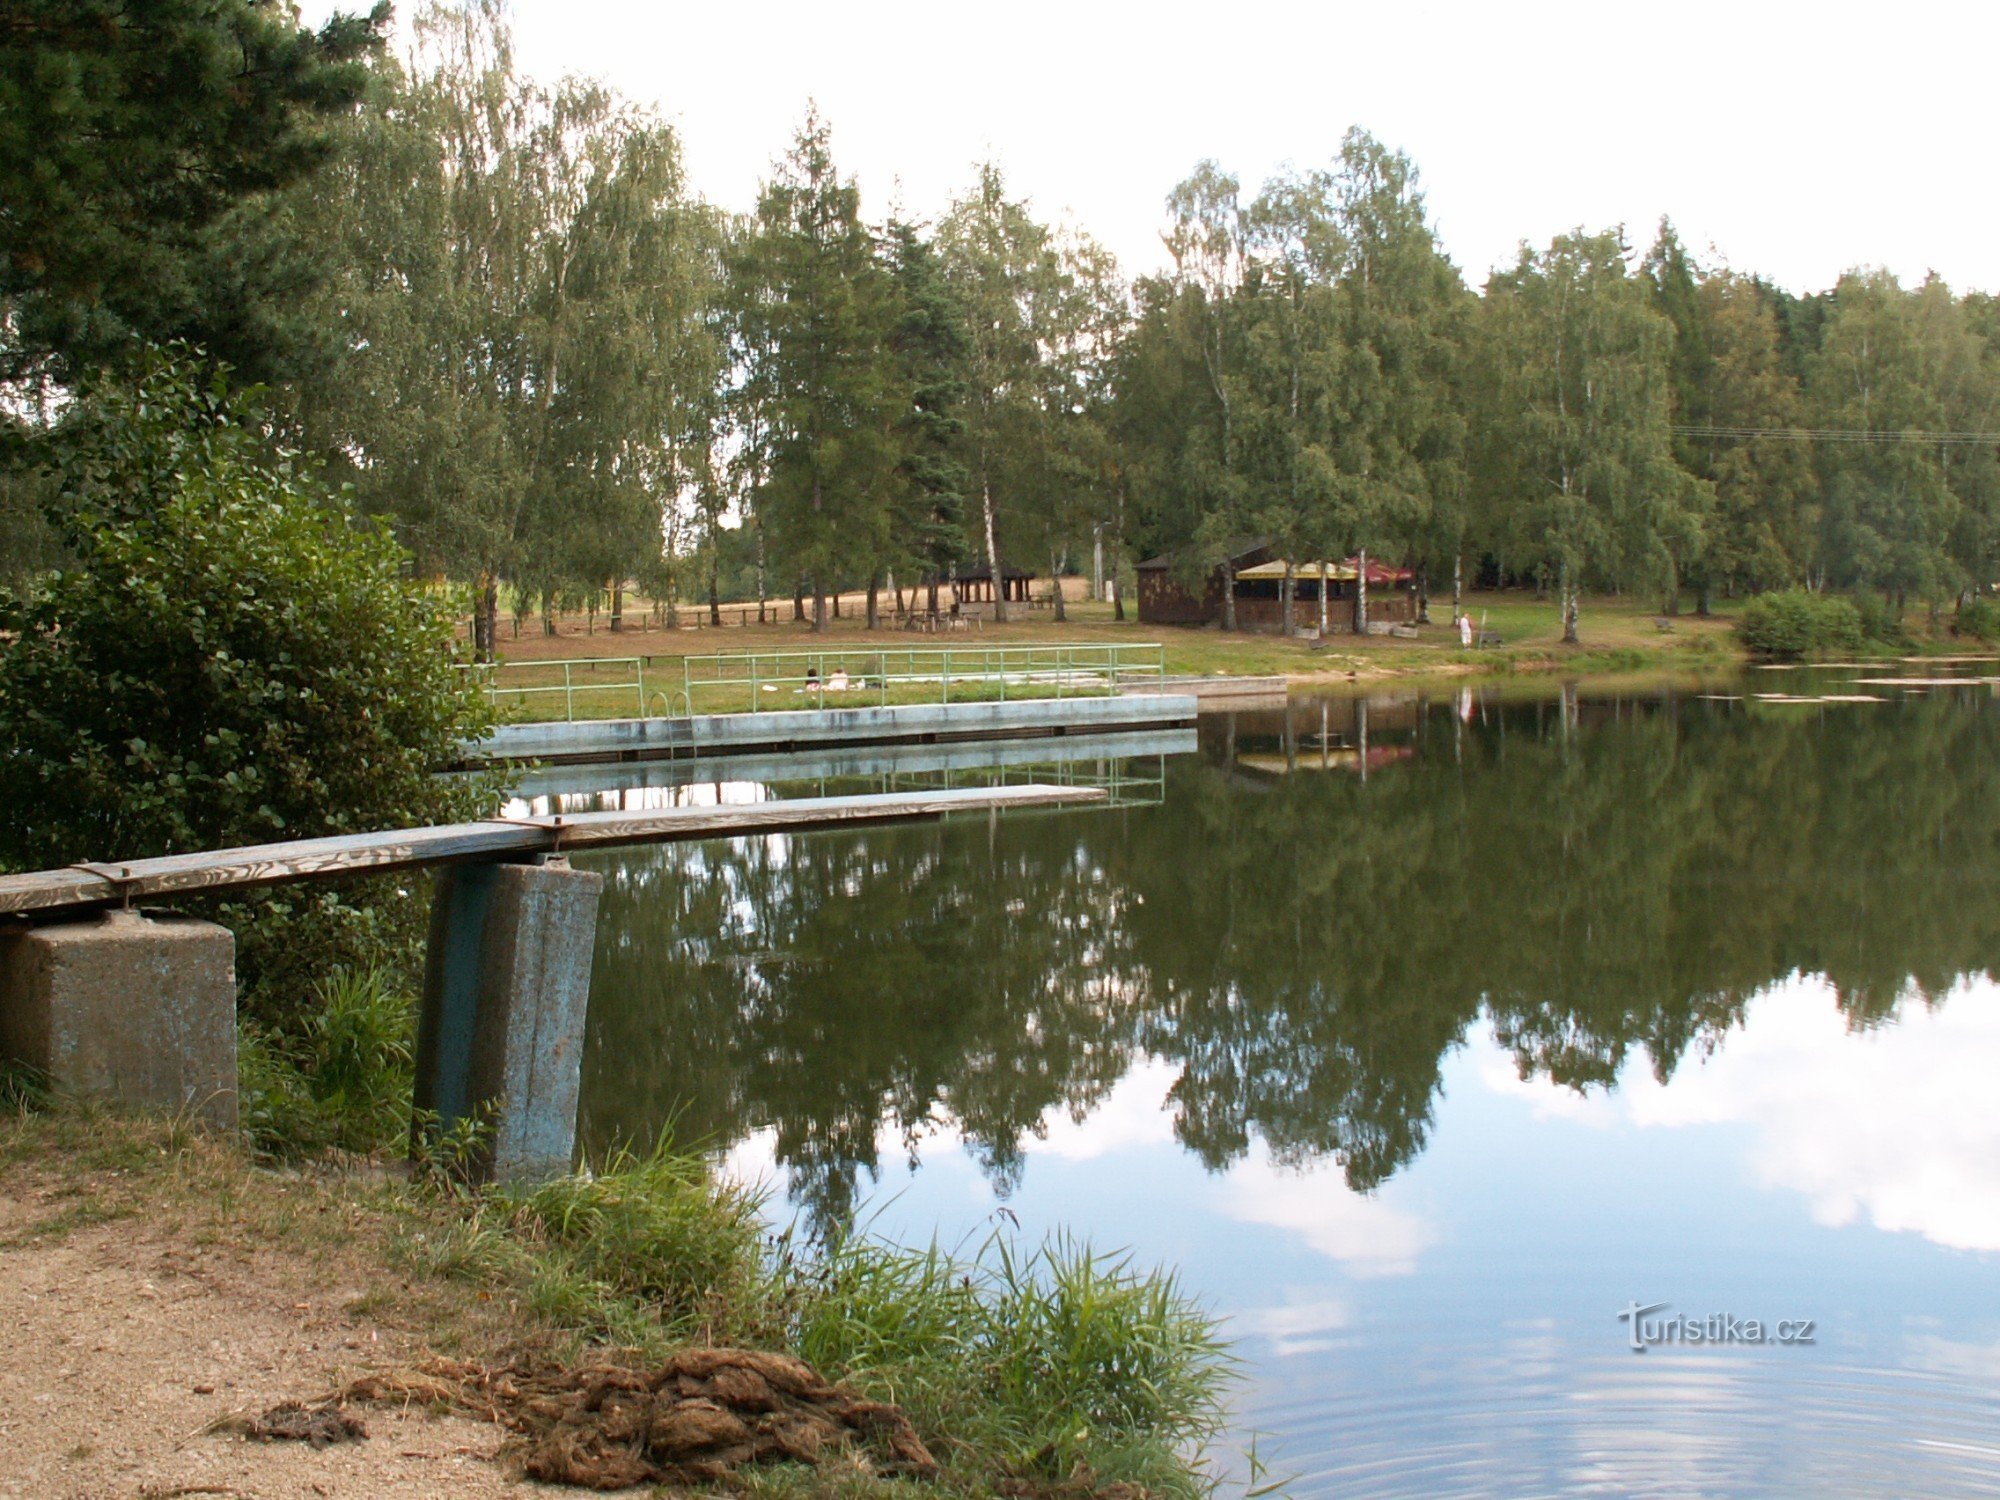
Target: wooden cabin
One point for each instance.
(1165, 600)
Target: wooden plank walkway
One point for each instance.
(135, 880)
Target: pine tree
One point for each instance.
(139, 149)
(933, 349)
(819, 318)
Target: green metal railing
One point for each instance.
(914, 674)
(603, 687)
(1135, 781)
(616, 687)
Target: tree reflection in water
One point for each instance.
(1329, 898)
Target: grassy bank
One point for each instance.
(1617, 635)
(1024, 1370)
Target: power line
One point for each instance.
(1842, 435)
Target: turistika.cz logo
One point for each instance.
(1647, 1332)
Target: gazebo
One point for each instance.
(975, 585)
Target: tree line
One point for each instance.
(499, 310)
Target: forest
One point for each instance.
(498, 311)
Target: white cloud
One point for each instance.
(1976, 1363)
(1295, 1327)
(1367, 1235)
(1895, 1125)
(1548, 1100)
(1133, 1114)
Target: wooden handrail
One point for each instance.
(128, 881)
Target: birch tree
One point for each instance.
(1000, 262)
(1579, 418)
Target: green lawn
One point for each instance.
(1616, 635)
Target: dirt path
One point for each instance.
(122, 1341)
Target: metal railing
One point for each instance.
(610, 687)
(1127, 781)
(914, 674)
(617, 687)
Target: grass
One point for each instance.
(1618, 635)
(342, 1082)
(1035, 1363)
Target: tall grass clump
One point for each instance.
(23, 1089)
(1794, 624)
(647, 1247)
(339, 1080)
(1026, 1365)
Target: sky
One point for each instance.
(1791, 139)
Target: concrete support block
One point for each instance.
(139, 1010)
(506, 985)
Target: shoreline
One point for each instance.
(194, 1300)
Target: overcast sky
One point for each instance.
(1791, 139)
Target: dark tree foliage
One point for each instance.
(230, 659)
(136, 137)
(933, 350)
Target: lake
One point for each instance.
(1426, 1034)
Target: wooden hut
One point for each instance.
(975, 587)
(1165, 600)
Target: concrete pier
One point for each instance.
(138, 1010)
(1212, 692)
(506, 986)
(836, 728)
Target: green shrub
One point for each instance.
(1879, 622)
(1797, 623)
(230, 658)
(1978, 619)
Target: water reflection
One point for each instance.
(1421, 1033)
(1324, 903)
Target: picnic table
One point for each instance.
(931, 622)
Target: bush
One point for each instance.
(1879, 622)
(231, 658)
(1978, 619)
(1797, 623)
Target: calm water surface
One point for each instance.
(1423, 1034)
